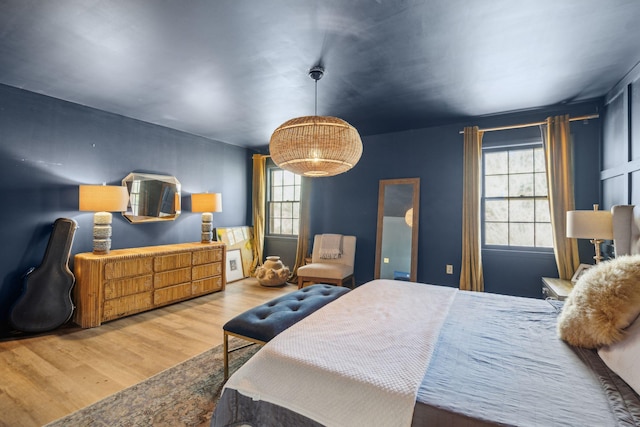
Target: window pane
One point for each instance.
(276, 210)
(496, 233)
(496, 210)
(296, 195)
(289, 178)
(276, 229)
(544, 238)
(296, 210)
(286, 210)
(496, 186)
(287, 226)
(538, 155)
(521, 234)
(495, 163)
(276, 194)
(296, 226)
(276, 177)
(521, 211)
(297, 179)
(288, 192)
(542, 211)
(521, 161)
(541, 184)
(521, 185)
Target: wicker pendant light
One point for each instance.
(316, 146)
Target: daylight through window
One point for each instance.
(515, 203)
(283, 202)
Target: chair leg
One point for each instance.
(300, 282)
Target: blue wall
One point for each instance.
(48, 147)
(347, 203)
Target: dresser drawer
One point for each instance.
(171, 262)
(127, 268)
(209, 284)
(133, 285)
(123, 306)
(172, 293)
(206, 270)
(207, 256)
(172, 277)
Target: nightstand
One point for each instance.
(556, 288)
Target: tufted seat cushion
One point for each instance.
(265, 321)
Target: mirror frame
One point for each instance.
(165, 179)
(415, 182)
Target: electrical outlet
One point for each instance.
(449, 269)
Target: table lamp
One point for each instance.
(595, 225)
(207, 203)
(102, 199)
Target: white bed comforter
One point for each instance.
(366, 370)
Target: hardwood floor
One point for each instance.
(49, 376)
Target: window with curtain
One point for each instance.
(515, 206)
(283, 202)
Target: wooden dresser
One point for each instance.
(128, 281)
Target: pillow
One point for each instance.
(604, 301)
(622, 357)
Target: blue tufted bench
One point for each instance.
(260, 324)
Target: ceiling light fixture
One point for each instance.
(316, 146)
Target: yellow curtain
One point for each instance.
(258, 200)
(559, 162)
(471, 278)
(303, 230)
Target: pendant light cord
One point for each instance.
(316, 106)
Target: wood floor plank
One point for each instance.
(49, 376)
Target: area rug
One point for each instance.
(184, 395)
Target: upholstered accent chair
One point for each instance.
(336, 271)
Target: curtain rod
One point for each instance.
(527, 125)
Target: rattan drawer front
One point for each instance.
(173, 277)
(172, 293)
(129, 286)
(206, 256)
(119, 307)
(171, 262)
(127, 268)
(206, 270)
(207, 285)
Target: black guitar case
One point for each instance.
(45, 302)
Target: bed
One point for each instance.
(402, 353)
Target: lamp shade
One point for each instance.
(316, 146)
(206, 202)
(103, 198)
(590, 224)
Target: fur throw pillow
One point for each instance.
(604, 301)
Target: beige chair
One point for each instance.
(333, 271)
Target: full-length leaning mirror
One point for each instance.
(397, 234)
(152, 197)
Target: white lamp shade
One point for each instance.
(590, 225)
(206, 202)
(103, 198)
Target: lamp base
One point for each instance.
(596, 242)
(206, 235)
(102, 233)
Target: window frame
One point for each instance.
(516, 144)
(269, 202)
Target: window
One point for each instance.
(515, 207)
(283, 201)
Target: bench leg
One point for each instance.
(226, 355)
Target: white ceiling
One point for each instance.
(233, 70)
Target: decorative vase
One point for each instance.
(272, 272)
